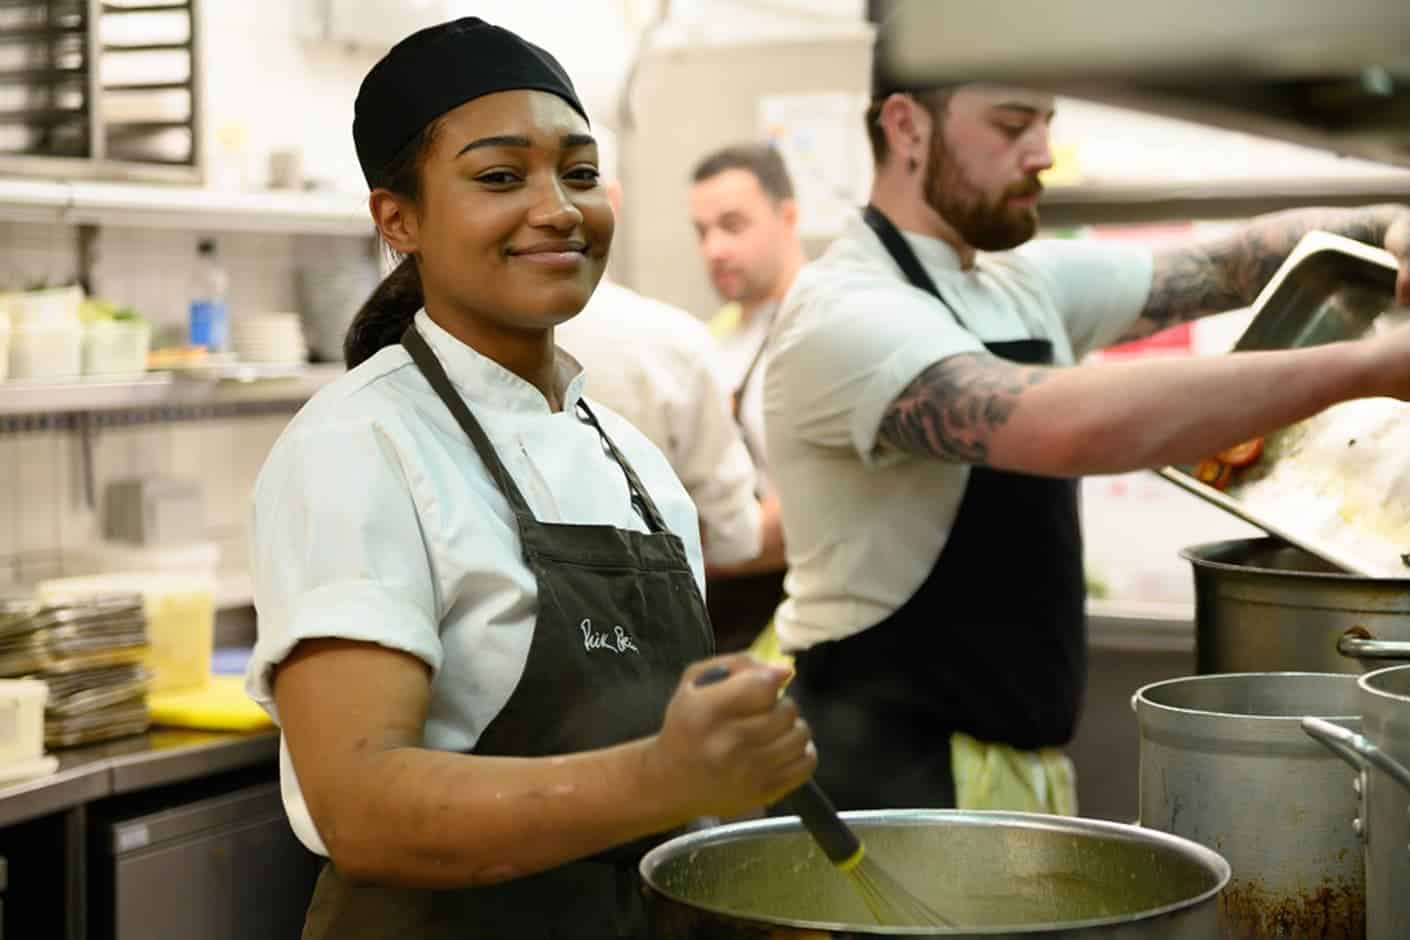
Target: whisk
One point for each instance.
(889, 902)
(887, 899)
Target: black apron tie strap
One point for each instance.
(904, 255)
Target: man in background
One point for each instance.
(929, 416)
(746, 218)
(657, 366)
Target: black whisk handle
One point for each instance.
(712, 675)
(833, 836)
(810, 804)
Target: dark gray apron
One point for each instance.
(620, 616)
(993, 643)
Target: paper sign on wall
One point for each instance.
(824, 146)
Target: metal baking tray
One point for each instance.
(1337, 484)
(84, 692)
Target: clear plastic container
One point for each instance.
(116, 347)
(22, 719)
(39, 307)
(46, 350)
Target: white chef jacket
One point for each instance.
(864, 527)
(657, 366)
(375, 520)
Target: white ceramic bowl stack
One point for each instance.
(271, 338)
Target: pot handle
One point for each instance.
(1357, 644)
(1355, 749)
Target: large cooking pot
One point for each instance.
(1225, 763)
(994, 874)
(1262, 605)
(1382, 755)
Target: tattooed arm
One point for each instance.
(1192, 281)
(1114, 417)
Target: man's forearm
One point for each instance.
(1116, 417)
(1196, 280)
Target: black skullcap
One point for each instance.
(437, 69)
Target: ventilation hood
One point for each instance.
(1335, 76)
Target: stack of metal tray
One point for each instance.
(1337, 484)
(91, 656)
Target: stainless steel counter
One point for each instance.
(160, 757)
(1140, 627)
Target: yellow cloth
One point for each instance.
(726, 320)
(765, 648)
(987, 776)
(996, 776)
(219, 705)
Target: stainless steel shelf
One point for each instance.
(232, 384)
(320, 213)
(135, 205)
(1090, 204)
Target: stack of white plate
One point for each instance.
(269, 337)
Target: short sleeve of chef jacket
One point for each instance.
(341, 550)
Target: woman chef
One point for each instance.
(479, 596)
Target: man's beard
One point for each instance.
(983, 225)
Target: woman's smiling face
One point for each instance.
(512, 227)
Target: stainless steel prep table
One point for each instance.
(46, 832)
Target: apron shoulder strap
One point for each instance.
(645, 506)
(738, 399)
(904, 255)
(435, 373)
(430, 366)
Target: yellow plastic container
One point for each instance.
(180, 615)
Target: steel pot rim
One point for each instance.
(1202, 855)
(1195, 555)
(1368, 683)
(1141, 700)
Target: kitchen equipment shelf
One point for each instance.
(239, 384)
(341, 213)
(74, 63)
(1112, 203)
(131, 205)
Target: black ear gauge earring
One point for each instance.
(912, 165)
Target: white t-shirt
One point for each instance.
(864, 527)
(740, 347)
(376, 520)
(658, 367)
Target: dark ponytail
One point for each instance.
(385, 315)
(393, 304)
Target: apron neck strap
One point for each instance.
(737, 406)
(904, 255)
(435, 373)
(641, 499)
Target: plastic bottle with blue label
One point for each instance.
(209, 324)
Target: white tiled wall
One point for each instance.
(150, 269)
(44, 515)
(45, 519)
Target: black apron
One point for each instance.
(992, 644)
(619, 618)
(742, 606)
